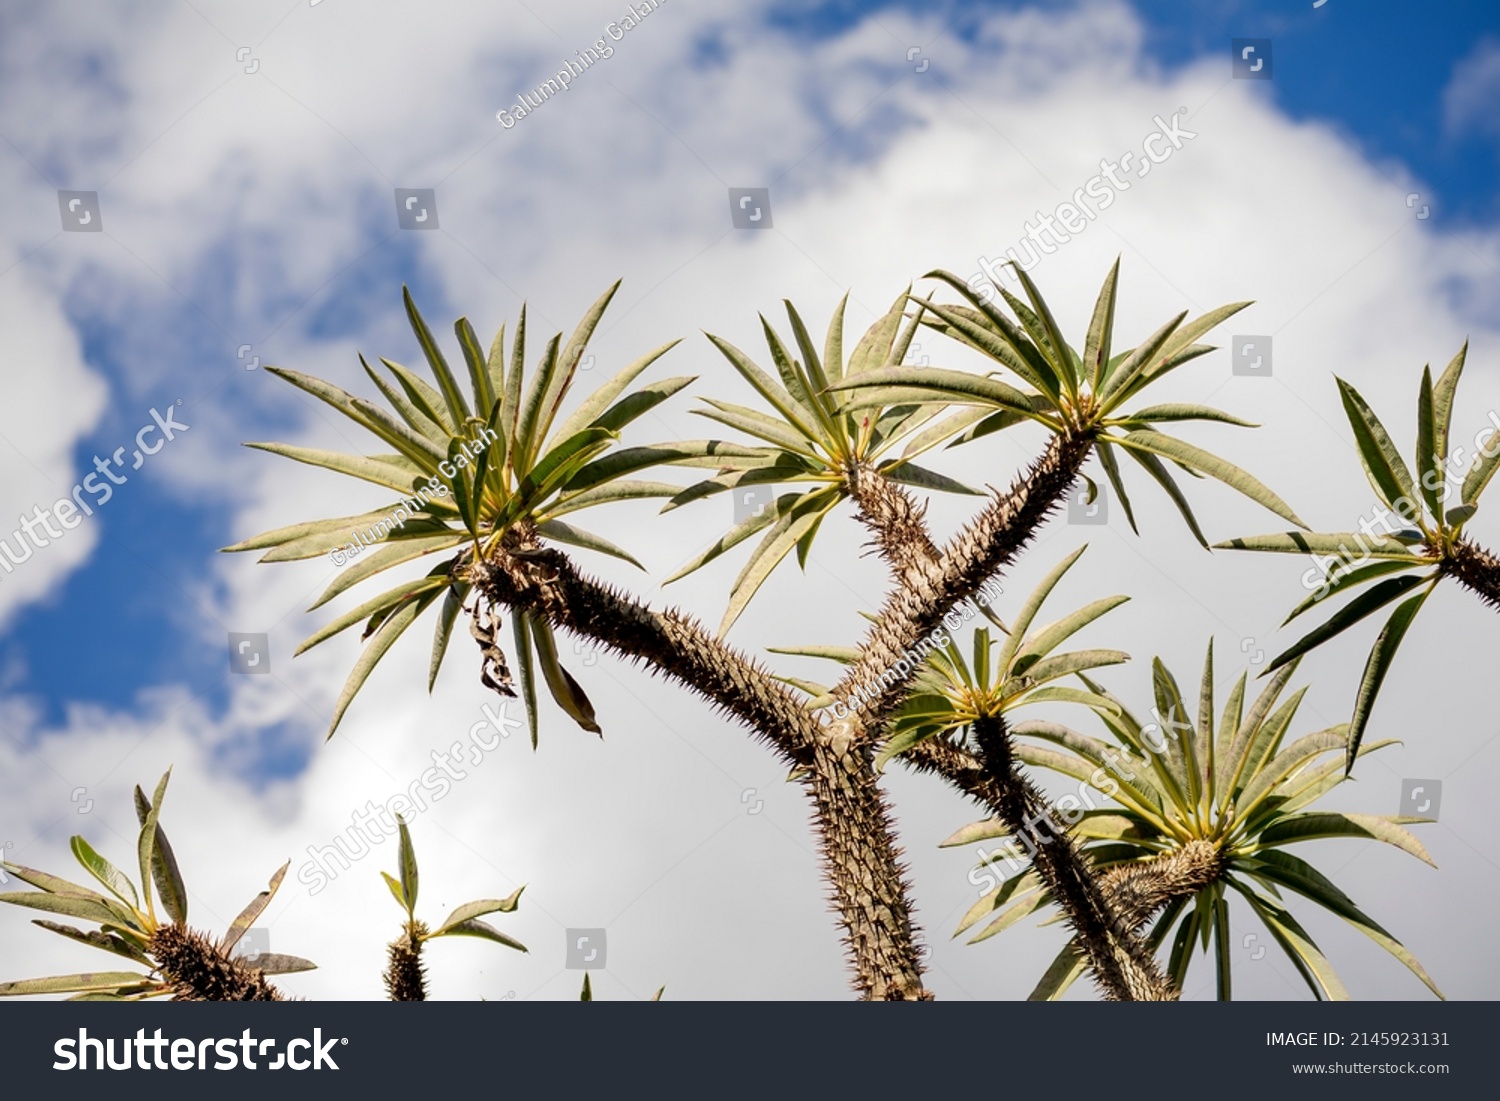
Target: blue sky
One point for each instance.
(257, 209)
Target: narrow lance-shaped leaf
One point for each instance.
(1379, 663)
(258, 904)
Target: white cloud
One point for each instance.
(268, 192)
(1472, 99)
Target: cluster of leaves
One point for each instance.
(1082, 395)
(1404, 566)
(1238, 786)
(127, 917)
(814, 435)
(463, 921)
(506, 463)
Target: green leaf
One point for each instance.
(1486, 462)
(391, 598)
(572, 354)
(759, 425)
(510, 403)
(382, 472)
(1197, 459)
(781, 508)
(409, 878)
(483, 387)
(1065, 970)
(944, 385)
(627, 460)
(1096, 344)
(1349, 546)
(911, 474)
(776, 545)
(256, 907)
(1442, 402)
(1383, 464)
(1144, 355)
(50, 883)
(1365, 604)
(1181, 411)
(1038, 596)
(525, 669)
(577, 537)
(1299, 876)
(623, 490)
(107, 942)
(778, 398)
(278, 963)
(476, 928)
(394, 885)
(1049, 638)
(1158, 470)
(565, 690)
(483, 906)
(453, 602)
(77, 906)
(1459, 516)
(529, 432)
(1430, 470)
(1347, 580)
(67, 984)
(1376, 667)
(419, 449)
(993, 334)
(384, 638)
(105, 872)
(874, 348)
(588, 990)
(1319, 824)
(385, 557)
(453, 397)
(420, 406)
(164, 871)
(146, 840)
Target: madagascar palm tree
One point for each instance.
(1404, 562)
(405, 975)
(1201, 810)
(505, 469)
(181, 962)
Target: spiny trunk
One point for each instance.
(915, 609)
(200, 971)
(895, 519)
(859, 852)
(405, 975)
(1137, 892)
(544, 581)
(869, 887)
(1130, 974)
(1476, 569)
